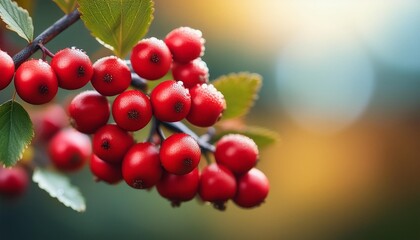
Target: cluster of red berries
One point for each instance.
(170, 164)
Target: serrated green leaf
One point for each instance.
(17, 19)
(16, 132)
(59, 186)
(118, 25)
(240, 91)
(261, 136)
(67, 6)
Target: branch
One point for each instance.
(180, 127)
(46, 36)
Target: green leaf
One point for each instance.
(66, 5)
(118, 25)
(240, 91)
(59, 186)
(261, 136)
(16, 132)
(17, 19)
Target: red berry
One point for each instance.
(191, 73)
(49, 121)
(35, 82)
(207, 105)
(132, 110)
(180, 154)
(111, 143)
(171, 102)
(151, 59)
(13, 181)
(105, 171)
(253, 188)
(237, 152)
(7, 69)
(72, 67)
(89, 111)
(111, 76)
(185, 43)
(141, 166)
(69, 150)
(178, 188)
(217, 185)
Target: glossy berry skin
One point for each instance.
(151, 58)
(191, 73)
(69, 150)
(171, 101)
(217, 185)
(111, 76)
(237, 152)
(111, 143)
(253, 188)
(36, 82)
(7, 69)
(132, 110)
(141, 166)
(13, 182)
(179, 188)
(72, 67)
(185, 44)
(89, 111)
(180, 154)
(104, 171)
(48, 122)
(207, 105)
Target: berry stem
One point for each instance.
(46, 36)
(45, 51)
(180, 127)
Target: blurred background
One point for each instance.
(342, 89)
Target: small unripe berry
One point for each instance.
(171, 101)
(253, 188)
(7, 69)
(69, 150)
(237, 152)
(111, 76)
(180, 153)
(207, 105)
(36, 82)
(72, 67)
(191, 73)
(89, 111)
(111, 143)
(151, 59)
(104, 171)
(185, 44)
(141, 166)
(217, 185)
(13, 181)
(132, 110)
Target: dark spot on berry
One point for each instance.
(81, 71)
(133, 114)
(105, 144)
(107, 78)
(43, 89)
(221, 206)
(188, 162)
(138, 183)
(175, 203)
(154, 58)
(75, 159)
(178, 107)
